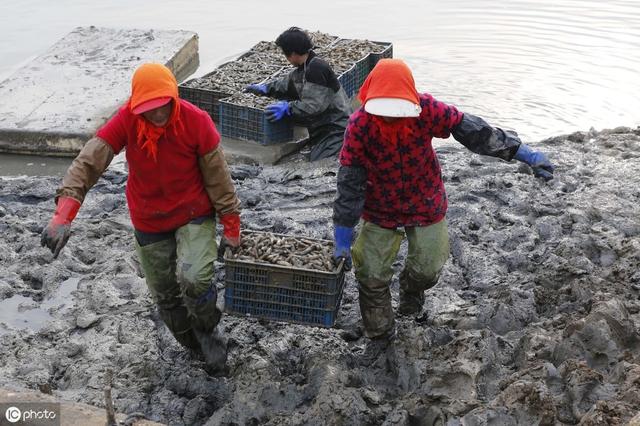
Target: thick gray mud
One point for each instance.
(534, 321)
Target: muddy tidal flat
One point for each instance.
(535, 319)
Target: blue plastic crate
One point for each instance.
(363, 67)
(208, 100)
(361, 70)
(386, 53)
(348, 81)
(283, 293)
(250, 123)
(353, 79)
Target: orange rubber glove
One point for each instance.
(58, 231)
(231, 232)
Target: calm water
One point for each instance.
(540, 67)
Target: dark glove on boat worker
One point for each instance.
(390, 178)
(178, 182)
(311, 95)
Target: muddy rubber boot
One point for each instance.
(412, 288)
(205, 315)
(377, 347)
(177, 321)
(213, 345)
(375, 308)
(410, 302)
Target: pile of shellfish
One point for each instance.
(265, 61)
(285, 250)
(234, 76)
(321, 40)
(344, 53)
(250, 100)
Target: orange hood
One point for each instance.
(151, 81)
(390, 78)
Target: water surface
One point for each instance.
(540, 67)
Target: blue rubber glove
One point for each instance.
(256, 89)
(278, 110)
(539, 162)
(343, 236)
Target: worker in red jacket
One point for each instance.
(390, 178)
(178, 183)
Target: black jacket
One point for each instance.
(315, 95)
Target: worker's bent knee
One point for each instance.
(419, 280)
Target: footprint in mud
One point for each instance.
(24, 312)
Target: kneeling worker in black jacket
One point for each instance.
(311, 95)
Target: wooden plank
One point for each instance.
(54, 104)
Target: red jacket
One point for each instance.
(404, 184)
(166, 194)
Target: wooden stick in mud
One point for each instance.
(108, 402)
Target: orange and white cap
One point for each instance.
(390, 90)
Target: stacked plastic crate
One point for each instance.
(229, 78)
(242, 116)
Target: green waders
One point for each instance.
(374, 252)
(179, 270)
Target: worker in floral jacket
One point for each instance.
(390, 178)
(178, 182)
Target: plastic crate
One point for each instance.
(361, 70)
(386, 53)
(249, 123)
(348, 81)
(353, 79)
(208, 100)
(283, 293)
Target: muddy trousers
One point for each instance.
(325, 141)
(179, 269)
(374, 252)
